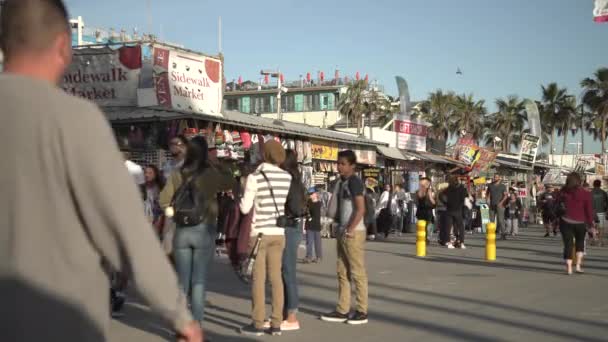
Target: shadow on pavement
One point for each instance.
(429, 326)
(139, 317)
(32, 314)
(443, 330)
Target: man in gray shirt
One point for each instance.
(68, 205)
(495, 194)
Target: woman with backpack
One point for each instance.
(296, 210)
(576, 214)
(190, 197)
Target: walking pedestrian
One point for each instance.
(600, 207)
(67, 200)
(314, 248)
(513, 210)
(370, 214)
(266, 193)
(425, 202)
(296, 210)
(194, 242)
(496, 194)
(547, 206)
(348, 207)
(386, 210)
(153, 186)
(577, 215)
(178, 149)
(456, 194)
(402, 198)
(442, 224)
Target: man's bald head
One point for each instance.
(35, 37)
(31, 25)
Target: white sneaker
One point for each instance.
(450, 245)
(371, 237)
(462, 246)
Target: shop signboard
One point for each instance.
(529, 148)
(522, 192)
(479, 181)
(411, 135)
(324, 151)
(485, 160)
(554, 177)
(108, 77)
(187, 81)
(600, 169)
(600, 11)
(367, 157)
(371, 177)
(467, 151)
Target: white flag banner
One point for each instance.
(600, 11)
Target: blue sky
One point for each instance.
(502, 47)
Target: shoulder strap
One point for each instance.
(182, 187)
(276, 207)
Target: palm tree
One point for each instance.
(352, 104)
(553, 98)
(468, 115)
(566, 120)
(437, 110)
(585, 123)
(509, 120)
(595, 97)
(547, 123)
(380, 107)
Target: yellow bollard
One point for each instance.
(421, 238)
(491, 242)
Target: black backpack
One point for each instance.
(187, 205)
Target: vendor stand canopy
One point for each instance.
(138, 114)
(393, 153)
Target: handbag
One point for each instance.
(282, 220)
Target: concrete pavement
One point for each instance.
(451, 295)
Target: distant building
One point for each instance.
(308, 103)
(311, 102)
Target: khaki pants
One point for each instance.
(351, 267)
(269, 260)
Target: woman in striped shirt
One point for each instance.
(266, 192)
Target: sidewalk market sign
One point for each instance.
(600, 11)
(529, 148)
(187, 81)
(106, 76)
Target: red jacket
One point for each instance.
(578, 205)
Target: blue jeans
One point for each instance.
(313, 241)
(293, 237)
(193, 250)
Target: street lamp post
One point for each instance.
(280, 89)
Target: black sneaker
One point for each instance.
(251, 330)
(334, 317)
(358, 318)
(546, 235)
(274, 331)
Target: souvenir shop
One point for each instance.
(234, 138)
